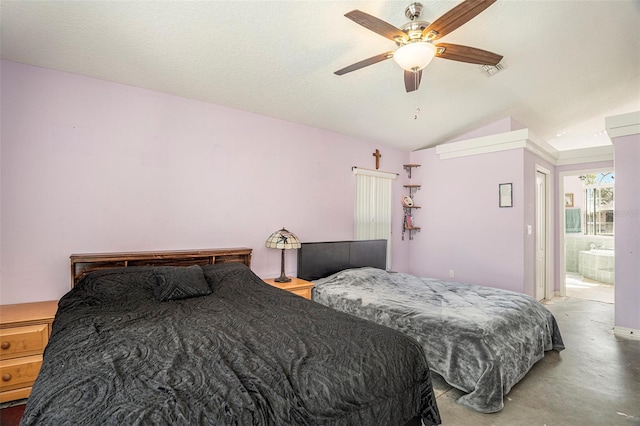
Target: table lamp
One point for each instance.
(284, 240)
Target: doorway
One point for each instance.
(587, 235)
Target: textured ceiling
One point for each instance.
(568, 64)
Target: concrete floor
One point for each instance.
(594, 381)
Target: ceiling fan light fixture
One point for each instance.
(414, 56)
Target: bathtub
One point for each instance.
(601, 252)
(597, 264)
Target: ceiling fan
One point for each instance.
(415, 40)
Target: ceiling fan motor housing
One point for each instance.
(414, 30)
(413, 11)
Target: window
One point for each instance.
(599, 203)
(373, 206)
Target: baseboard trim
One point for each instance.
(630, 333)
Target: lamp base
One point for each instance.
(282, 279)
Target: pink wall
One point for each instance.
(94, 166)
(503, 125)
(88, 165)
(573, 185)
(627, 223)
(463, 228)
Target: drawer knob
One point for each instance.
(5, 345)
(6, 377)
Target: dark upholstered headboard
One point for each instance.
(319, 260)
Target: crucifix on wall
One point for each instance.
(377, 155)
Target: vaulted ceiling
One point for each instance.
(567, 63)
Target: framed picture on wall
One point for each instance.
(568, 200)
(506, 195)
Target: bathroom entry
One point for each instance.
(589, 235)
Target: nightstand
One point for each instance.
(296, 286)
(24, 333)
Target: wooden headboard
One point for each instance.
(82, 264)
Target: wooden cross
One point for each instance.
(377, 155)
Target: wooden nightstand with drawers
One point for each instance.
(296, 286)
(24, 333)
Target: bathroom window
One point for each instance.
(598, 202)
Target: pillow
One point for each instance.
(180, 282)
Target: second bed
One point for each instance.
(481, 340)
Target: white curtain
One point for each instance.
(373, 206)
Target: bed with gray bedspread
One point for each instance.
(232, 351)
(481, 340)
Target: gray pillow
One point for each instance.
(180, 282)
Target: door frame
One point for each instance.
(561, 221)
(548, 290)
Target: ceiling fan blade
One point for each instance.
(365, 63)
(376, 25)
(457, 52)
(412, 80)
(456, 17)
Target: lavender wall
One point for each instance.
(627, 224)
(463, 228)
(506, 124)
(89, 165)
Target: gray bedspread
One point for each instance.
(246, 354)
(481, 340)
